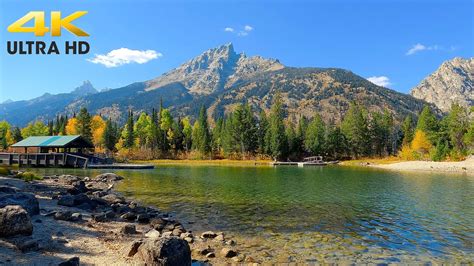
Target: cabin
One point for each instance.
(56, 151)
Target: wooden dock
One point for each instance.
(44, 160)
(308, 161)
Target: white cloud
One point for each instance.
(380, 81)
(124, 56)
(420, 47)
(242, 32)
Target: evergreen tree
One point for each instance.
(336, 144)
(201, 136)
(128, 134)
(315, 136)
(50, 128)
(84, 125)
(408, 130)
(277, 141)
(355, 129)
(244, 131)
(262, 132)
(16, 134)
(177, 139)
(457, 122)
(217, 133)
(428, 123)
(110, 136)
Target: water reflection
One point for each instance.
(312, 211)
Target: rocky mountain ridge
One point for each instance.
(452, 82)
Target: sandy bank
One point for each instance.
(466, 166)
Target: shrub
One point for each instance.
(28, 176)
(4, 171)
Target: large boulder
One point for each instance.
(27, 201)
(165, 251)
(14, 220)
(68, 179)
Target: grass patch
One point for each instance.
(28, 176)
(386, 160)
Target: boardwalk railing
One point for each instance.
(313, 159)
(44, 159)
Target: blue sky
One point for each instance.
(370, 38)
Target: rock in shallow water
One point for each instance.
(14, 220)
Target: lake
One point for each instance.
(316, 214)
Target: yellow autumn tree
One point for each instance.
(98, 128)
(420, 143)
(71, 127)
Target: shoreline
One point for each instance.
(461, 167)
(103, 227)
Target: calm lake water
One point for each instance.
(317, 213)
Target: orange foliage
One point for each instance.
(71, 127)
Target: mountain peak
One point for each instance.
(85, 89)
(452, 82)
(214, 70)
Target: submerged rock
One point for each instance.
(108, 177)
(14, 220)
(165, 251)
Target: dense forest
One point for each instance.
(243, 134)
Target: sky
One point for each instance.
(392, 43)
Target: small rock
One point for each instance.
(228, 253)
(129, 229)
(230, 242)
(63, 215)
(208, 234)
(100, 218)
(134, 248)
(110, 214)
(74, 261)
(204, 251)
(238, 258)
(14, 220)
(143, 218)
(189, 239)
(211, 255)
(167, 234)
(30, 245)
(153, 234)
(112, 198)
(176, 232)
(76, 217)
(108, 177)
(66, 200)
(99, 194)
(129, 216)
(219, 237)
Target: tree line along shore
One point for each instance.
(241, 134)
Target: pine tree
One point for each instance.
(408, 130)
(201, 136)
(129, 135)
(16, 134)
(457, 126)
(336, 144)
(315, 136)
(110, 136)
(278, 144)
(355, 129)
(262, 132)
(428, 123)
(244, 131)
(84, 125)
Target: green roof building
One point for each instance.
(43, 144)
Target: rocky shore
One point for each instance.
(71, 220)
